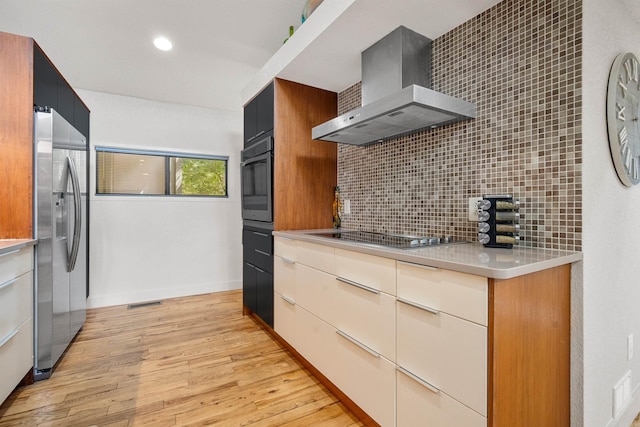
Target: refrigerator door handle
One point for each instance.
(75, 184)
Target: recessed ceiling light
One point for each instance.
(162, 43)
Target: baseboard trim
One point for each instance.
(160, 294)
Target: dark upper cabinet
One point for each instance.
(81, 117)
(258, 115)
(45, 80)
(51, 90)
(66, 99)
(250, 123)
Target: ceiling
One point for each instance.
(219, 45)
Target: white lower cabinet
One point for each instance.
(445, 351)
(418, 359)
(316, 292)
(285, 319)
(318, 345)
(16, 303)
(16, 357)
(16, 318)
(419, 406)
(367, 378)
(367, 316)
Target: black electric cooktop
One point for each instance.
(389, 240)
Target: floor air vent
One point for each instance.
(143, 304)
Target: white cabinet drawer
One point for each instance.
(14, 264)
(318, 343)
(285, 321)
(459, 294)
(418, 406)
(16, 303)
(16, 357)
(448, 352)
(284, 248)
(367, 316)
(368, 380)
(368, 270)
(284, 277)
(316, 292)
(317, 256)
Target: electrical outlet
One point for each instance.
(346, 206)
(630, 347)
(473, 208)
(621, 394)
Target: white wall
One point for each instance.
(147, 248)
(611, 225)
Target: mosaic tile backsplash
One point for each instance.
(520, 63)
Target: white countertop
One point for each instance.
(10, 245)
(472, 258)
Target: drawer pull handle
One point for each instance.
(419, 380)
(288, 261)
(358, 285)
(418, 306)
(358, 343)
(10, 252)
(8, 337)
(262, 252)
(424, 267)
(261, 234)
(259, 269)
(289, 300)
(9, 283)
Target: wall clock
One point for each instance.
(623, 105)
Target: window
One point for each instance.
(138, 172)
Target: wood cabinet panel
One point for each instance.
(305, 171)
(529, 348)
(459, 294)
(27, 78)
(419, 406)
(16, 136)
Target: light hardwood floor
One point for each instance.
(188, 362)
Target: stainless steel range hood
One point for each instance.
(396, 99)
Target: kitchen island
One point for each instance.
(453, 334)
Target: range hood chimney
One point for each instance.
(396, 95)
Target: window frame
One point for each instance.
(167, 171)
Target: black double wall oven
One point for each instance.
(257, 220)
(257, 181)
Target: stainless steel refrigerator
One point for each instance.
(60, 224)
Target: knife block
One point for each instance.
(498, 221)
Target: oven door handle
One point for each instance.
(255, 159)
